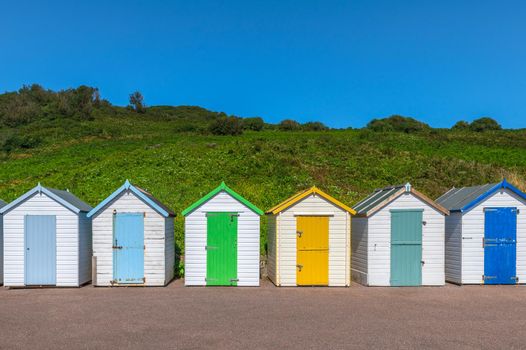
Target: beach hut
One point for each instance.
(222, 240)
(47, 239)
(309, 240)
(398, 239)
(2, 204)
(133, 239)
(485, 234)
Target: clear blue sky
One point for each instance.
(341, 62)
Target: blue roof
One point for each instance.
(466, 198)
(139, 192)
(65, 198)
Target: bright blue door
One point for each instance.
(128, 248)
(500, 240)
(40, 250)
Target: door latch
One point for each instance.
(299, 267)
(299, 233)
(117, 247)
(422, 262)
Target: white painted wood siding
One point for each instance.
(454, 247)
(1, 250)
(339, 241)
(169, 249)
(379, 240)
(247, 241)
(85, 248)
(67, 241)
(154, 239)
(473, 232)
(359, 250)
(271, 248)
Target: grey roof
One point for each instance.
(2, 203)
(375, 198)
(71, 199)
(458, 198)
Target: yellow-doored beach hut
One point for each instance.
(309, 241)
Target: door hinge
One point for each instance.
(144, 280)
(234, 280)
(515, 278)
(424, 223)
(210, 247)
(422, 262)
(484, 277)
(144, 247)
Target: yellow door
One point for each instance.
(312, 250)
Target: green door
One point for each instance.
(406, 247)
(221, 249)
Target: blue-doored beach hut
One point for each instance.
(2, 204)
(222, 240)
(47, 239)
(133, 239)
(485, 234)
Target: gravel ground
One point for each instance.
(266, 317)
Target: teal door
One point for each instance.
(128, 248)
(221, 249)
(406, 247)
(40, 233)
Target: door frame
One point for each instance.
(485, 210)
(234, 282)
(408, 210)
(316, 215)
(25, 251)
(114, 252)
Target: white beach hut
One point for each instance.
(133, 239)
(47, 240)
(485, 234)
(309, 241)
(222, 240)
(2, 204)
(398, 239)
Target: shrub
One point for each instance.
(397, 123)
(227, 126)
(20, 141)
(484, 124)
(461, 125)
(314, 126)
(289, 125)
(254, 124)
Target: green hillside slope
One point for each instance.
(93, 156)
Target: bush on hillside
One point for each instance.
(34, 102)
(227, 126)
(484, 124)
(137, 102)
(254, 124)
(289, 125)
(461, 125)
(20, 141)
(397, 123)
(314, 126)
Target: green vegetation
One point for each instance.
(171, 152)
(397, 123)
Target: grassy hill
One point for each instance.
(93, 156)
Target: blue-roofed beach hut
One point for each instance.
(133, 239)
(485, 234)
(47, 239)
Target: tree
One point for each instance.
(484, 124)
(136, 102)
(227, 126)
(461, 125)
(255, 124)
(314, 126)
(289, 125)
(397, 123)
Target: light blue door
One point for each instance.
(500, 245)
(128, 248)
(406, 247)
(40, 250)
